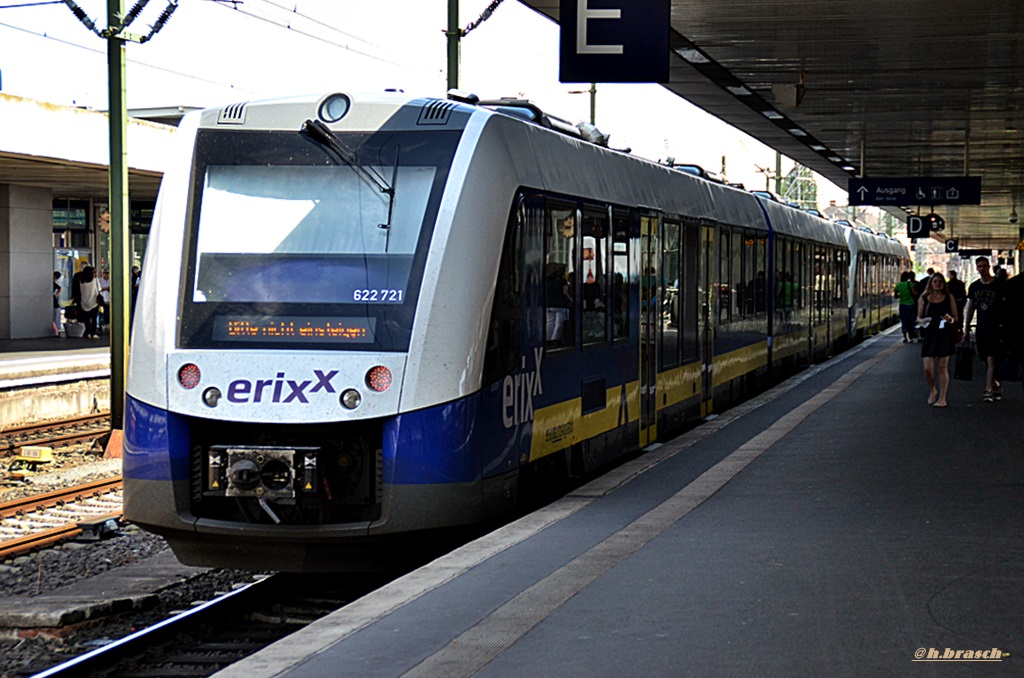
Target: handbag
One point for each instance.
(964, 366)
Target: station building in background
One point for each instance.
(54, 174)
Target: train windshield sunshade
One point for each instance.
(291, 245)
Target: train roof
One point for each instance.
(801, 224)
(622, 177)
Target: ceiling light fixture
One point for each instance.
(693, 56)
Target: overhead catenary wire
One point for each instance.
(103, 53)
(33, 4)
(190, 76)
(235, 6)
(314, 20)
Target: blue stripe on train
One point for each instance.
(155, 443)
(438, 445)
(457, 442)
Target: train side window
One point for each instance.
(842, 278)
(820, 281)
(670, 281)
(505, 330)
(690, 300)
(594, 275)
(797, 271)
(559, 276)
(620, 281)
(736, 295)
(761, 277)
(748, 258)
(724, 277)
(784, 279)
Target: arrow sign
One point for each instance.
(916, 191)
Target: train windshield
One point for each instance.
(296, 245)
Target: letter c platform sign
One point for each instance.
(614, 40)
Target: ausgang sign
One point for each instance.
(916, 191)
(614, 40)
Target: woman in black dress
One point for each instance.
(936, 315)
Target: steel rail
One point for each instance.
(53, 432)
(139, 641)
(51, 535)
(48, 499)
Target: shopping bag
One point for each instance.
(964, 367)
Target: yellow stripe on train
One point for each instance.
(561, 425)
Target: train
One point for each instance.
(366, 319)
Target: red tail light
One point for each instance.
(379, 378)
(189, 375)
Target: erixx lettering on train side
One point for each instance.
(245, 391)
(518, 389)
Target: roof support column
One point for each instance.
(119, 243)
(454, 34)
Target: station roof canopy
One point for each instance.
(893, 88)
(65, 150)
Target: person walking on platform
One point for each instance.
(1013, 316)
(936, 314)
(920, 287)
(984, 297)
(89, 290)
(56, 303)
(104, 311)
(958, 291)
(908, 305)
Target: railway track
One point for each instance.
(41, 520)
(56, 433)
(211, 636)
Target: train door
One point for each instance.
(708, 276)
(649, 322)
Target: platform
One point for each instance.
(836, 525)
(43, 360)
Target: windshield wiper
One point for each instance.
(322, 134)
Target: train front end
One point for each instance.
(285, 270)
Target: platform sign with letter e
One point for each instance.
(614, 40)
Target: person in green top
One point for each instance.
(908, 305)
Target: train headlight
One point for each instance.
(350, 399)
(379, 378)
(189, 376)
(211, 396)
(334, 108)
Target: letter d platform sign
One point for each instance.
(614, 40)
